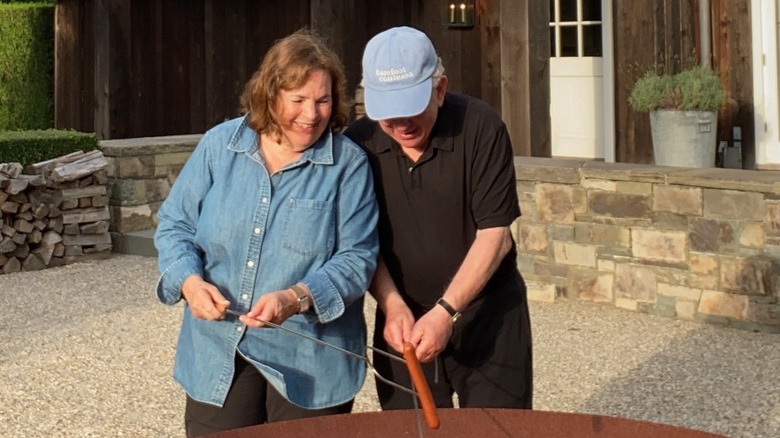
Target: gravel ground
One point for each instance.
(86, 351)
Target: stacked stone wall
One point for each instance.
(141, 172)
(694, 244)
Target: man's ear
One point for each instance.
(441, 90)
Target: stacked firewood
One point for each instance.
(55, 213)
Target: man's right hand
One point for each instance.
(204, 299)
(398, 322)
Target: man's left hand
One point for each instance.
(431, 333)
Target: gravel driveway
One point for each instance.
(86, 350)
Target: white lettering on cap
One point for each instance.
(393, 74)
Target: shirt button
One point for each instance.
(264, 200)
(245, 296)
(411, 169)
(257, 230)
(240, 328)
(250, 263)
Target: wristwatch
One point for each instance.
(304, 303)
(454, 314)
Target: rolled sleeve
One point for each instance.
(171, 279)
(345, 278)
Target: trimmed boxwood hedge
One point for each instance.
(26, 66)
(29, 147)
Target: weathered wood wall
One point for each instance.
(648, 33)
(665, 34)
(136, 68)
(525, 75)
(146, 68)
(732, 58)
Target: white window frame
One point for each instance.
(579, 24)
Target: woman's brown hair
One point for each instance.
(286, 66)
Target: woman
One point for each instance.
(273, 217)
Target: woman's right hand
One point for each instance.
(204, 299)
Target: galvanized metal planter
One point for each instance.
(684, 138)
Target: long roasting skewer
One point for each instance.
(420, 389)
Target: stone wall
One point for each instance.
(695, 244)
(141, 172)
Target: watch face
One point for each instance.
(303, 303)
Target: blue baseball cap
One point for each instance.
(398, 65)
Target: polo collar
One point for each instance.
(442, 136)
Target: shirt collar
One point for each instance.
(244, 140)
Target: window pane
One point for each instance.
(552, 11)
(591, 44)
(568, 10)
(569, 41)
(591, 10)
(552, 42)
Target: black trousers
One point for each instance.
(250, 401)
(487, 362)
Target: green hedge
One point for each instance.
(29, 147)
(26, 66)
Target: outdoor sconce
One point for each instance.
(458, 13)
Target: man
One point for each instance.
(447, 280)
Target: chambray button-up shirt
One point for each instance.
(250, 233)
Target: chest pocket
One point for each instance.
(309, 226)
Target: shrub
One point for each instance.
(28, 147)
(26, 66)
(695, 89)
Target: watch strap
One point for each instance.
(454, 314)
(304, 302)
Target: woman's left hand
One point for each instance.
(274, 307)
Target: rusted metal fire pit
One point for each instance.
(480, 423)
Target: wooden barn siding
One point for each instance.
(732, 58)
(648, 33)
(525, 75)
(135, 68)
(149, 68)
(664, 34)
(144, 68)
(74, 66)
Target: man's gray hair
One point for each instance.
(438, 73)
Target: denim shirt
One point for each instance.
(250, 233)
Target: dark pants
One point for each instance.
(487, 362)
(250, 401)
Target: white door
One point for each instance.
(580, 80)
(766, 85)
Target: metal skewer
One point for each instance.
(417, 378)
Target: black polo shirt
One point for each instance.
(432, 209)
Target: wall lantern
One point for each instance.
(458, 13)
